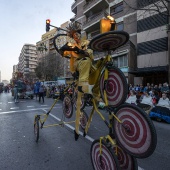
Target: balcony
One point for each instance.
(93, 22)
(74, 7)
(94, 6)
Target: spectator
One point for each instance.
(141, 88)
(41, 93)
(132, 97)
(15, 93)
(156, 88)
(165, 88)
(147, 99)
(131, 87)
(48, 91)
(155, 97)
(137, 88)
(160, 87)
(149, 90)
(164, 101)
(146, 87)
(36, 90)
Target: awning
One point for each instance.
(149, 70)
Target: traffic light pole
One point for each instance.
(58, 28)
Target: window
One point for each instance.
(116, 9)
(120, 26)
(120, 61)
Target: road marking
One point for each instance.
(18, 111)
(0, 109)
(30, 106)
(0, 102)
(11, 102)
(44, 105)
(14, 108)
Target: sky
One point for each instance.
(23, 21)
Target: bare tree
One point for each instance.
(50, 67)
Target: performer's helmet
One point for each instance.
(74, 27)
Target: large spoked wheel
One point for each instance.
(107, 160)
(36, 128)
(83, 104)
(136, 134)
(126, 161)
(67, 106)
(116, 87)
(83, 119)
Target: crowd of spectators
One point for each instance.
(150, 94)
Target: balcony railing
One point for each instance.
(95, 3)
(73, 6)
(94, 18)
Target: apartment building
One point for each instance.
(28, 61)
(15, 70)
(145, 55)
(152, 42)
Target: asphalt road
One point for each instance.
(57, 148)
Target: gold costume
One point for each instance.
(81, 63)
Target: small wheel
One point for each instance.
(115, 86)
(83, 119)
(107, 160)
(136, 134)
(36, 128)
(126, 161)
(67, 106)
(83, 104)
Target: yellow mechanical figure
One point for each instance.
(81, 62)
(131, 132)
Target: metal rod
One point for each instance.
(58, 28)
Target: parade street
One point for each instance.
(57, 149)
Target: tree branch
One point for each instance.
(165, 5)
(142, 9)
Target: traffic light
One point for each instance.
(47, 25)
(112, 22)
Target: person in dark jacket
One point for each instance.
(41, 93)
(15, 89)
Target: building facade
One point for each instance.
(145, 57)
(14, 71)
(28, 61)
(152, 42)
